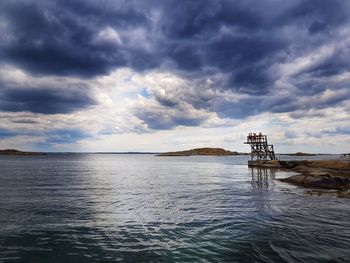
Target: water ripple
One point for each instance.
(111, 208)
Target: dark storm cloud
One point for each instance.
(244, 39)
(338, 63)
(317, 27)
(57, 38)
(247, 40)
(44, 100)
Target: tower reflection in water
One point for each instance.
(261, 178)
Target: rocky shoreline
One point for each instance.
(321, 174)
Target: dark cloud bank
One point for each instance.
(44, 100)
(244, 40)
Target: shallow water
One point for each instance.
(141, 208)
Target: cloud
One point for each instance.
(108, 36)
(317, 27)
(342, 130)
(138, 67)
(63, 38)
(65, 136)
(6, 133)
(86, 39)
(290, 134)
(160, 118)
(44, 101)
(20, 92)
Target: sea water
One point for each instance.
(142, 208)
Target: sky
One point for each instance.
(124, 75)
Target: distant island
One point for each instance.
(17, 152)
(300, 154)
(202, 151)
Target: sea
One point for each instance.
(144, 208)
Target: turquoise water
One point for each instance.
(141, 208)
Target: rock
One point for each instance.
(344, 194)
(265, 164)
(318, 181)
(325, 174)
(286, 164)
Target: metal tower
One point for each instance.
(260, 149)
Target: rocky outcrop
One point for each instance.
(325, 174)
(324, 181)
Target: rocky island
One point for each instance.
(17, 152)
(202, 151)
(300, 154)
